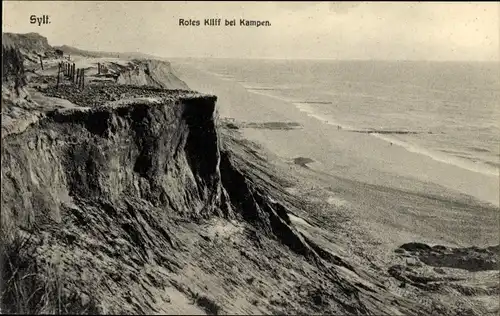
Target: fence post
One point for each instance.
(98, 68)
(79, 83)
(58, 75)
(73, 73)
(41, 61)
(78, 77)
(83, 78)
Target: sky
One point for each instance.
(447, 31)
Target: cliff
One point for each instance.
(27, 43)
(132, 198)
(150, 73)
(110, 201)
(31, 45)
(98, 54)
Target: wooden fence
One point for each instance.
(73, 74)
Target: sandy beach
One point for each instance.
(364, 159)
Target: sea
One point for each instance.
(448, 111)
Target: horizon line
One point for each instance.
(269, 58)
(335, 59)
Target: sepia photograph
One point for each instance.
(250, 158)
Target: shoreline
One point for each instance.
(482, 167)
(370, 160)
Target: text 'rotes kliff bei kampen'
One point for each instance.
(224, 22)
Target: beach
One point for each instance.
(364, 159)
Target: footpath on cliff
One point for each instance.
(132, 196)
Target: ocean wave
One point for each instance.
(222, 76)
(466, 164)
(308, 109)
(315, 102)
(475, 166)
(270, 95)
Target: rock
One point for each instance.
(413, 262)
(469, 258)
(232, 126)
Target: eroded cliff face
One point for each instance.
(152, 73)
(31, 45)
(86, 179)
(148, 151)
(109, 209)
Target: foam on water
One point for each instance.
(442, 157)
(252, 89)
(308, 109)
(302, 107)
(221, 76)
